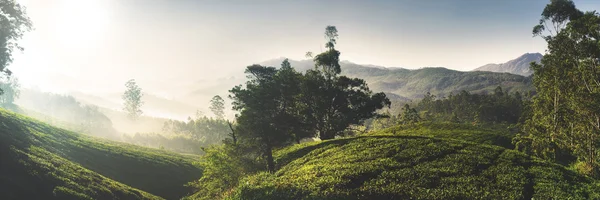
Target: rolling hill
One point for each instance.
(518, 65)
(414, 163)
(38, 161)
(413, 84)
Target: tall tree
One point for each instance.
(217, 106)
(334, 102)
(133, 100)
(10, 89)
(566, 111)
(13, 23)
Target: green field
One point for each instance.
(39, 161)
(420, 162)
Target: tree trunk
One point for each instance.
(233, 137)
(326, 135)
(270, 162)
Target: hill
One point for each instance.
(413, 165)
(43, 162)
(413, 84)
(518, 65)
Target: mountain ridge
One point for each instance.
(410, 84)
(519, 65)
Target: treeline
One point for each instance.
(185, 136)
(464, 107)
(65, 111)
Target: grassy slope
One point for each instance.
(387, 166)
(39, 159)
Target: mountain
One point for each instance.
(413, 84)
(39, 161)
(518, 66)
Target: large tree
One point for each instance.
(133, 100)
(334, 102)
(566, 110)
(266, 105)
(13, 23)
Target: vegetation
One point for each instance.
(565, 115)
(278, 106)
(65, 111)
(402, 167)
(133, 100)
(184, 136)
(217, 106)
(10, 89)
(497, 107)
(42, 162)
(475, 135)
(13, 23)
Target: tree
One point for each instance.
(334, 102)
(217, 106)
(409, 115)
(565, 113)
(10, 89)
(13, 24)
(133, 100)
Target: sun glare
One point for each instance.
(81, 22)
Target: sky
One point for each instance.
(174, 47)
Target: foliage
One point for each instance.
(407, 167)
(223, 166)
(335, 102)
(278, 106)
(64, 111)
(498, 107)
(565, 116)
(13, 23)
(133, 100)
(207, 130)
(10, 89)
(409, 115)
(38, 159)
(267, 107)
(217, 106)
(181, 143)
(491, 134)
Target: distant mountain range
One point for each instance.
(518, 66)
(405, 84)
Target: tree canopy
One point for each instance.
(13, 24)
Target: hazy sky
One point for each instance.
(95, 46)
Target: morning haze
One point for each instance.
(299, 99)
(176, 47)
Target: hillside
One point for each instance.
(518, 65)
(417, 165)
(413, 84)
(44, 162)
